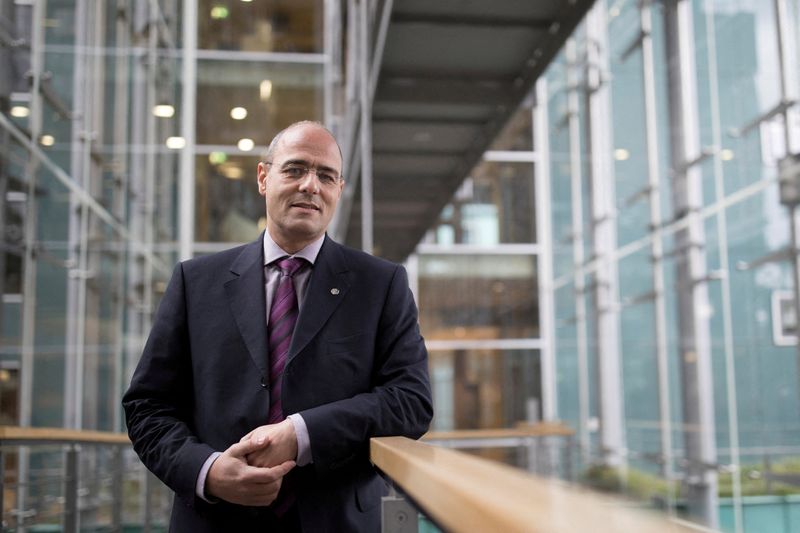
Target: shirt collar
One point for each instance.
(273, 252)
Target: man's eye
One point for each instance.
(326, 178)
(295, 172)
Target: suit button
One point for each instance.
(263, 383)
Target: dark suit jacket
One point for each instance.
(357, 368)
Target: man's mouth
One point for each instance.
(306, 205)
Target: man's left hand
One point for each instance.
(282, 444)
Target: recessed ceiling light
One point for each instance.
(265, 89)
(47, 140)
(164, 111)
(621, 154)
(238, 113)
(20, 111)
(245, 145)
(726, 154)
(176, 143)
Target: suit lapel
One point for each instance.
(326, 289)
(247, 301)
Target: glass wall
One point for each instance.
(690, 95)
(476, 279)
(105, 145)
(260, 68)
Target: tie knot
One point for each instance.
(290, 265)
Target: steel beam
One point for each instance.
(578, 256)
(657, 247)
(365, 130)
(186, 188)
(604, 240)
(690, 264)
(484, 20)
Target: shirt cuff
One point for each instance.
(303, 441)
(200, 488)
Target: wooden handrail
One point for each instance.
(463, 493)
(25, 435)
(543, 429)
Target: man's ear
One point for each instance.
(262, 179)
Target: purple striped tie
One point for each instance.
(282, 318)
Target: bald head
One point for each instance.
(301, 183)
(276, 141)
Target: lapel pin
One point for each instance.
(334, 291)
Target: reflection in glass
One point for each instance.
(479, 389)
(494, 206)
(466, 297)
(516, 135)
(272, 96)
(262, 26)
(227, 204)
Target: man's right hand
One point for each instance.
(230, 478)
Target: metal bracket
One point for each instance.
(398, 516)
(644, 192)
(629, 301)
(778, 109)
(790, 180)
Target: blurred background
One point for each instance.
(595, 202)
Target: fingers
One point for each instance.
(256, 474)
(247, 437)
(283, 468)
(242, 448)
(231, 479)
(255, 494)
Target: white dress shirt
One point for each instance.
(272, 276)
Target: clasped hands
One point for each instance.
(251, 471)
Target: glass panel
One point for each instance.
(493, 206)
(638, 345)
(478, 296)
(566, 342)
(486, 389)
(475, 389)
(560, 169)
(227, 204)
(263, 26)
(628, 124)
(738, 77)
(518, 133)
(240, 99)
(51, 307)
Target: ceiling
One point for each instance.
(452, 75)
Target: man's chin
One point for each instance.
(304, 232)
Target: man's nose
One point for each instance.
(310, 182)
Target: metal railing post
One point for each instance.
(148, 502)
(71, 489)
(2, 490)
(529, 448)
(569, 464)
(117, 478)
(397, 515)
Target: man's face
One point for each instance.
(301, 184)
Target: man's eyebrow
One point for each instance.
(306, 163)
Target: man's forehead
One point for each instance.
(308, 138)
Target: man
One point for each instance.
(256, 428)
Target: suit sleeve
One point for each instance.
(399, 402)
(158, 403)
